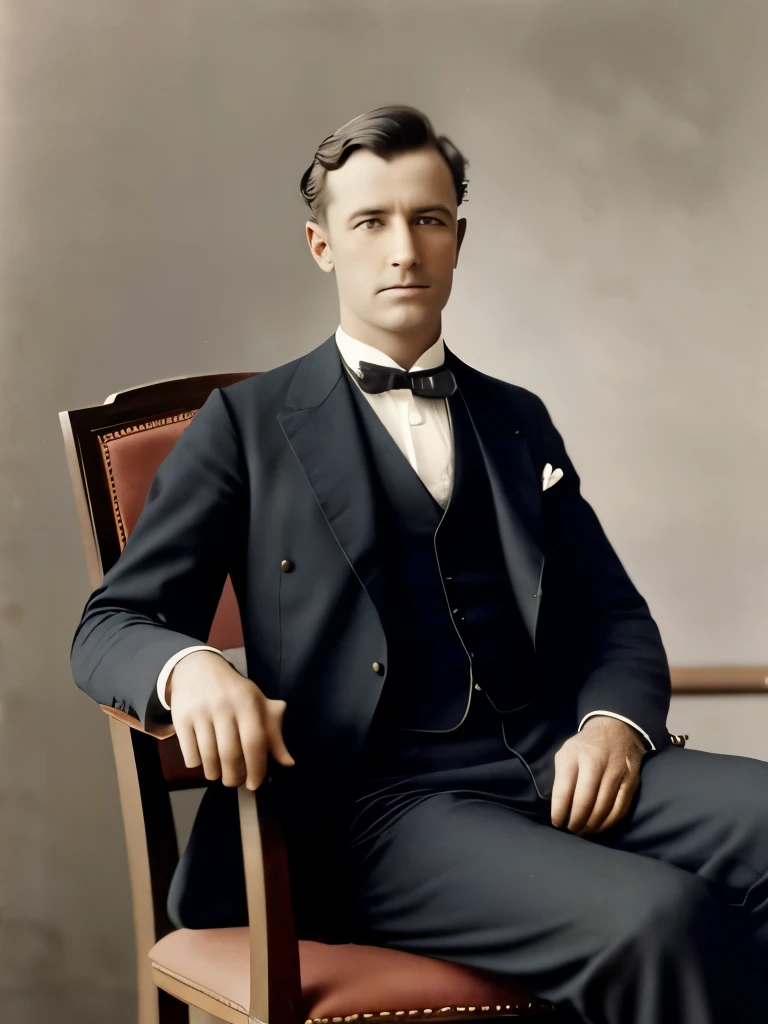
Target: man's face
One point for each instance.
(413, 238)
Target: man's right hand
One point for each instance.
(224, 721)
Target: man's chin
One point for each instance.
(406, 320)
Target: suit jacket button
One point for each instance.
(286, 565)
(377, 667)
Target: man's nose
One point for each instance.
(403, 246)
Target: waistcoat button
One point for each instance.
(286, 565)
(377, 667)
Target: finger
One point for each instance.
(230, 750)
(253, 741)
(604, 802)
(274, 727)
(590, 774)
(188, 744)
(566, 770)
(206, 744)
(621, 805)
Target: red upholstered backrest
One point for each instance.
(132, 456)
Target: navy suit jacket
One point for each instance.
(273, 468)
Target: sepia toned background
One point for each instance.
(151, 226)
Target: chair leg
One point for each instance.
(171, 1010)
(156, 1006)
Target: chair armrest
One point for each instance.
(275, 975)
(160, 732)
(719, 679)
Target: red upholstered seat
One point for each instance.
(343, 982)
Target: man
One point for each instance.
(463, 694)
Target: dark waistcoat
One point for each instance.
(449, 614)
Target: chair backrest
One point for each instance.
(113, 452)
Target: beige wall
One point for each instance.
(150, 226)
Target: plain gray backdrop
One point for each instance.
(151, 226)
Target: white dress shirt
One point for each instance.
(421, 428)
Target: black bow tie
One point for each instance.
(437, 383)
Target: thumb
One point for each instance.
(274, 726)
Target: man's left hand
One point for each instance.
(597, 772)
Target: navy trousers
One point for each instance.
(661, 920)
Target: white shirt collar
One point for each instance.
(353, 351)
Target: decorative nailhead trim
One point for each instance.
(484, 1011)
(506, 1010)
(112, 435)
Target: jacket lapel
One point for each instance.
(321, 427)
(515, 483)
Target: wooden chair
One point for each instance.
(262, 973)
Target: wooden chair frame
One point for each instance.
(152, 847)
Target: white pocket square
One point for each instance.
(549, 476)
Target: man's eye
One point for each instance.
(372, 220)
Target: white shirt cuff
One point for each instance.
(621, 718)
(169, 666)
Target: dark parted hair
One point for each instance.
(385, 130)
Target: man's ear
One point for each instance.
(319, 245)
(461, 228)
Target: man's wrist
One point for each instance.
(604, 713)
(183, 668)
(614, 726)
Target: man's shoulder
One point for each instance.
(265, 384)
(522, 399)
(257, 401)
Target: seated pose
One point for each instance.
(458, 693)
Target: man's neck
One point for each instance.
(404, 348)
